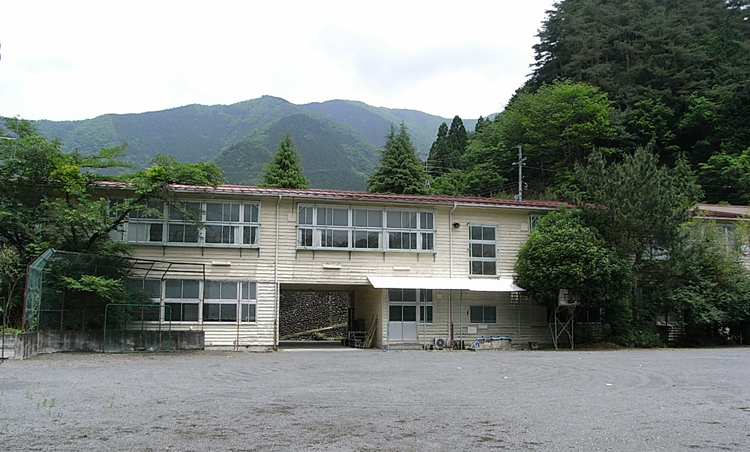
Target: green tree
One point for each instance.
(400, 170)
(440, 152)
(707, 287)
(637, 204)
(53, 199)
(558, 126)
(457, 139)
(285, 169)
(564, 253)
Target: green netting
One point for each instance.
(70, 291)
(133, 328)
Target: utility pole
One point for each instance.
(520, 163)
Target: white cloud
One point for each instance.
(80, 59)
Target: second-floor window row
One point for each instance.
(365, 229)
(221, 223)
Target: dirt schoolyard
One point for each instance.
(367, 400)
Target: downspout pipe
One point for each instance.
(450, 272)
(276, 292)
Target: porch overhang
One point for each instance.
(474, 285)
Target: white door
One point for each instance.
(402, 322)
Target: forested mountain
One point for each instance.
(333, 156)
(678, 74)
(347, 141)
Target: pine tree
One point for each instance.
(439, 152)
(457, 137)
(285, 170)
(400, 170)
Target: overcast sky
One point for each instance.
(66, 60)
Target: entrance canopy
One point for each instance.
(474, 285)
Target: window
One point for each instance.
(224, 224)
(533, 221)
(183, 297)
(482, 260)
(224, 299)
(365, 229)
(483, 314)
(425, 309)
(145, 291)
(403, 305)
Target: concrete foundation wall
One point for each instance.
(38, 342)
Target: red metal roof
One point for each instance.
(344, 195)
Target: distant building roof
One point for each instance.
(721, 211)
(343, 195)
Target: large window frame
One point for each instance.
(483, 250)
(197, 301)
(483, 315)
(219, 224)
(334, 227)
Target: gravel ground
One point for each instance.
(366, 400)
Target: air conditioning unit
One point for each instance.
(441, 342)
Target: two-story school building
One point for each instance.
(419, 268)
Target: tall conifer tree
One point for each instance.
(285, 170)
(400, 170)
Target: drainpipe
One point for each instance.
(276, 283)
(450, 270)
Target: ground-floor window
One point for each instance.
(191, 300)
(406, 309)
(483, 314)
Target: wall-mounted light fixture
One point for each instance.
(456, 225)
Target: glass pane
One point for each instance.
(375, 218)
(394, 219)
(373, 240)
(234, 212)
(172, 312)
(248, 313)
(340, 217)
(156, 232)
(476, 314)
(428, 241)
(153, 287)
(306, 237)
(228, 312)
(395, 295)
(489, 268)
(410, 295)
(305, 215)
(191, 233)
(248, 291)
(323, 216)
(360, 218)
(412, 240)
(490, 314)
(488, 234)
(476, 250)
(360, 239)
(176, 232)
(212, 290)
(426, 220)
(214, 211)
(394, 313)
(213, 234)
(190, 312)
(250, 213)
(211, 311)
(412, 220)
(475, 233)
(190, 289)
(341, 239)
(394, 240)
(410, 314)
(228, 290)
(249, 235)
(173, 288)
(426, 296)
(476, 267)
(488, 250)
(425, 317)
